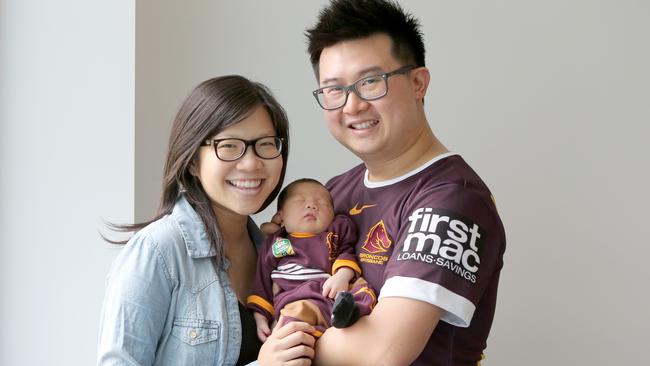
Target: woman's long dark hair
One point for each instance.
(211, 107)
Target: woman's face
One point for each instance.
(240, 186)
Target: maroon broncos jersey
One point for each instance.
(286, 262)
(434, 235)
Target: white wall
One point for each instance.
(66, 163)
(547, 100)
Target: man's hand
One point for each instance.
(269, 228)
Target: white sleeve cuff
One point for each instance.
(457, 310)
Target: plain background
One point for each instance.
(548, 101)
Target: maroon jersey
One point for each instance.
(291, 267)
(433, 235)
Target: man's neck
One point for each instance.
(425, 148)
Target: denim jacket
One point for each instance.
(166, 303)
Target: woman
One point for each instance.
(174, 294)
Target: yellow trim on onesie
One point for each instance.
(345, 263)
(261, 302)
(371, 294)
(302, 235)
(317, 333)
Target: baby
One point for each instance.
(307, 263)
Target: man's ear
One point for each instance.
(420, 78)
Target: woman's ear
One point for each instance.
(420, 77)
(193, 168)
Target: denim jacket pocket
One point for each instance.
(195, 331)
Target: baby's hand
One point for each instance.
(263, 330)
(340, 281)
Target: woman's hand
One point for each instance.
(288, 345)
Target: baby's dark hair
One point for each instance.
(284, 194)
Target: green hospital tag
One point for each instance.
(282, 248)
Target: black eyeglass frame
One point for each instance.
(352, 87)
(279, 142)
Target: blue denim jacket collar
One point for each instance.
(194, 234)
(192, 315)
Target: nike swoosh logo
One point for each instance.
(355, 211)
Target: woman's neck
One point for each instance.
(239, 250)
(233, 226)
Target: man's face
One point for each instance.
(380, 130)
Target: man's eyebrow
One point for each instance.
(369, 71)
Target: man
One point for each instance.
(431, 241)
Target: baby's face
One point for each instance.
(308, 209)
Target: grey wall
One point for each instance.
(549, 101)
(66, 163)
(179, 46)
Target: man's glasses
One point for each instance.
(368, 88)
(231, 149)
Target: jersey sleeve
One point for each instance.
(261, 298)
(449, 246)
(346, 232)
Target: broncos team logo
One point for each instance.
(377, 240)
(332, 241)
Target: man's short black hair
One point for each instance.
(345, 20)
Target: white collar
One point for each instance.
(388, 182)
